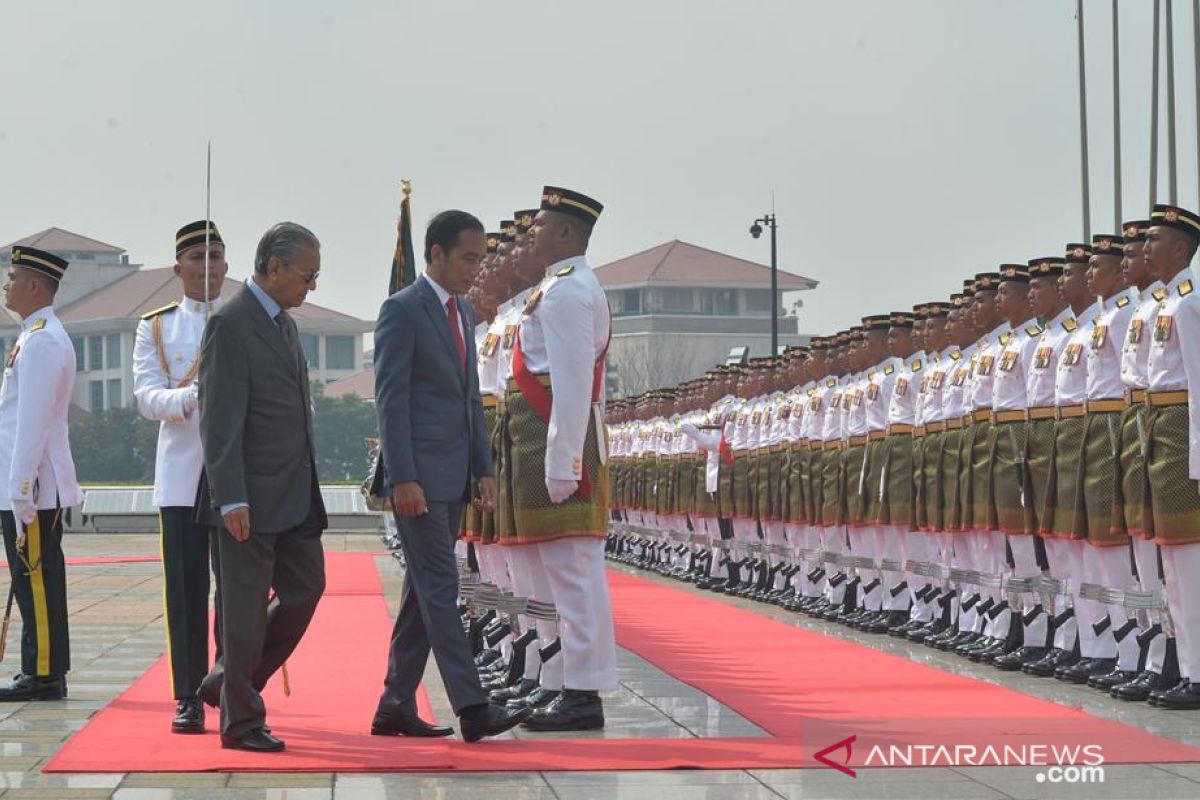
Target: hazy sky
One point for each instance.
(907, 143)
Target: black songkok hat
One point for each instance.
(194, 233)
(508, 230)
(565, 201)
(493, 242)
(48, 264)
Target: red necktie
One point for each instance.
(456, 329)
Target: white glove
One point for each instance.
(560, 490)
(24, 511)
(191, 400)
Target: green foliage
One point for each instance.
(342, 426)
(114, 446)
(118, 446)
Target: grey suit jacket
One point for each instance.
(255, 420)
(430, 415)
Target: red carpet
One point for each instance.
(809, 691)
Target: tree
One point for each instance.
(342, 425)
(651, 362)
(114, 446)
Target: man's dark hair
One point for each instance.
(283, 240)
(444, 230)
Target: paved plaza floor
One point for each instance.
(117, 631)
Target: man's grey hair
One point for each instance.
(283, 240)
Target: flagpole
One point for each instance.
(207, 225)
(1172, 177)
(1154, 110)
(1116, 44)
(1083, 134)
(1196, 60)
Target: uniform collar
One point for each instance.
(197, 306)
(1151, 289)
(1061, 316)
(43, 313)
(1029, 323)
(577, 261)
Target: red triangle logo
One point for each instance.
(823, 756)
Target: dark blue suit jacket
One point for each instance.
(430, 415)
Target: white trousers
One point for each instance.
(1145, 553)
(1181, 570)
(574, 568)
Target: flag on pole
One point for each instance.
(404, 265)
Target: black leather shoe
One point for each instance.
(1018, 658)
(1184, 697)
(887, 621)
(489, 719)
(1139, 688)
(538, 698)
(520, 689)
(1044, 667)
(572, 711)
(407, 725)
(257, 740)
(1085, 669)
(189, 716)
(1108, 680)
(1164, 688)
(27, 687)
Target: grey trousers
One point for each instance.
(258, 636)
(428, 618)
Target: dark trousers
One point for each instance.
(428, 618)
(186, 555)
(257, 635)
(39, 586)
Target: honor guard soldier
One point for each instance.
(1158, 662)
(555, 417)
(38, 478)
(1173, 434)
(166, 360)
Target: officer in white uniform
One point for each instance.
(37, 473)
(166, 360)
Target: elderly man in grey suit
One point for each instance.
(434, 446)
(260, 480)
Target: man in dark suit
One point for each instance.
(256, 429)
(434, 445)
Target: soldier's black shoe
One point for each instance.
(538, 698)
(1139, 688)
(1018, 658)
(1108, 680)
(571, 711)
(927, 630)
(27, 687)
(886, 622)
(1184, 697)
(1084, 669)
(520, 689)
(1045, 666)
(189, 716)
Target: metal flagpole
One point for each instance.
(207, 226)
(1083, 135)
(1196, 59)
(1172, 177)
(1154, 112)
(1116, 44)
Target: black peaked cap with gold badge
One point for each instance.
(1108, 244)
(1046, 267)
(508, 230)
(524, 219)
(493, 242)
(565, 201)
(1178, 218)
(1014, 273)
(47, 264)
(194, 233)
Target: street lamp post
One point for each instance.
(756, 231)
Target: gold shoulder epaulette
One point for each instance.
(163, 310)
(889, 369)
(1159, 294)
(37, 326)
(831, 382)
(565, 271)
(534, 299)
(1069, 325)
(956, 355)
(916, 365)
(1006, 337)
(1122, 301)
(1034, 330)
(1185, 288)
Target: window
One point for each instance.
(95, 353)
(720, 302)
(758, 300)
(631, 301)
(112, 351)
(77, 343)
(339, 352)
(680, 300)
(95, 395)
(115, 400)
(311, 344)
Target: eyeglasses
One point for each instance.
(307, 277)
